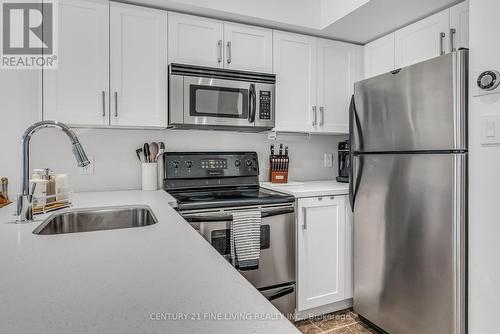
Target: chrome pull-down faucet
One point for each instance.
(25, 198)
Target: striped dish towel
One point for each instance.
(245, 239)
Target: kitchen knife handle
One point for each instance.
(453, 31)
(442, 35)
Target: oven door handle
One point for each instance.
(229, 217)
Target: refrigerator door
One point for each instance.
(418, 108)
(409, 237)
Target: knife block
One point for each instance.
(278, 168)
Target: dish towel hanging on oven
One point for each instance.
(244, 235)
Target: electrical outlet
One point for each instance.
(89, 169)
(328, 160)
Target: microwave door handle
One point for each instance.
(252, 104)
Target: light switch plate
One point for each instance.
(89, 169)
(328, 160)
(490, 129)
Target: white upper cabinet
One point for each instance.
(422, 40)
(338, 66)
(379, 56)
(138, 66)
(321, 250)
(77, 91)
(294, 62)
(248, 48)
(459, 20)
(195, 40)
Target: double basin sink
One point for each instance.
(97, 219)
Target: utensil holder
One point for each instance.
(149, 176)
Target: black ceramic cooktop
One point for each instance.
(227, 197)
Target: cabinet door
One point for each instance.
(321, 251)
(77, 91)
(379, 56)
(294, 62)
(349, 250)
(195, 40)
(138, 66)
(459, 20)
(337, 67)
(422, 40)
(248, 48)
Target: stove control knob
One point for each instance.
(189, 163)
(237, 163)
(175, 164)
(249, 162)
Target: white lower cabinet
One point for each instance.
(324, 252)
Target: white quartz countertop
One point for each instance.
(116, 281)
(309, 188)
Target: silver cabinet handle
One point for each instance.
(442, 35)
(103, 93)
(315, 116)
(304, 212)
(453, 31)
(116, 104)
(219, 51)
(229, 52)
(322, 114)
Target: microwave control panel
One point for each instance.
(265, 104)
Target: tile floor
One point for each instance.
(342, 322)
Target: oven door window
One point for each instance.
(221, 102)
(220, 239)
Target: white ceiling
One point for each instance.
(358, 21)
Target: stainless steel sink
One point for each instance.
(97, 219)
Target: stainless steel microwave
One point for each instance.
(212, 98)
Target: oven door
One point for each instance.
(277, 244)
(219, 102)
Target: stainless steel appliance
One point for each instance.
(212, 98)
(409, 195)
(343, 155)
(208, 187)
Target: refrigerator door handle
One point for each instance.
(351, 159)
(354, 181)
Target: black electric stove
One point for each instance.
(201, 180)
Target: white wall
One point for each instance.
(484, 224)
(116, 165)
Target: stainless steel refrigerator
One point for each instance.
(408, 192)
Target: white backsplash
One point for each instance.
(117, 167)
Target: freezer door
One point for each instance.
(409, 237)
(420, 107)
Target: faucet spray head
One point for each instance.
(79, 152)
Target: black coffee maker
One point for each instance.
(343, 151)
